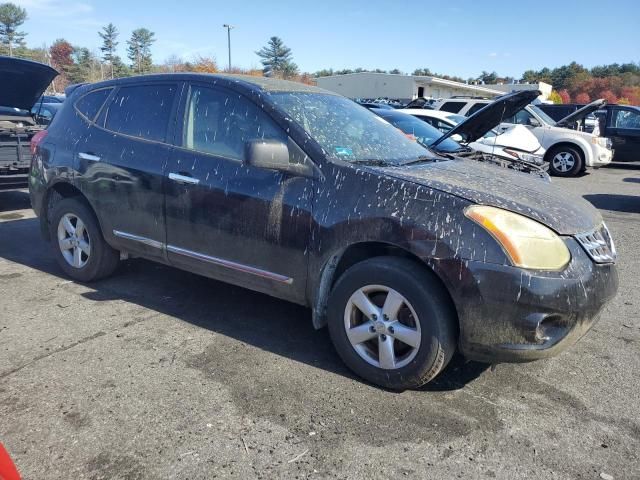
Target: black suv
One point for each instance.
(302, 194)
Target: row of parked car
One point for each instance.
(404, 247)
(568, 138)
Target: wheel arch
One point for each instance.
(54, 193)
(342, 260)
(577, 145)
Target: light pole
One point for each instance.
(229, 27)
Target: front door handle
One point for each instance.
(176, 177)
(89, 156)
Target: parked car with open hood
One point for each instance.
(569, 152)
(477, 131)
(302, 194)
(21, 84)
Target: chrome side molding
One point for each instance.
(137, 238)
(205, 258)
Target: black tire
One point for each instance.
(102, 260)
(431, 304)
(571, 154)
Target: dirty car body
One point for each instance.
(301, 194)
(21, 84)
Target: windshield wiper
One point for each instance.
(374, 162)
(420, 159)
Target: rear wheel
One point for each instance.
(565, 161)
(78, 244)
(392, 322)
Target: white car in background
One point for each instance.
(569, 152)
(516, 142)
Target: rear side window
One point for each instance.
(475, 108)
(90, 104)
(452, 107)
(141, 111)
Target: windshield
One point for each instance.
(347, 131)
(421, 131)
(545, 118)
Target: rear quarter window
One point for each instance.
(141, 111)
(452, 107)
(89, 105)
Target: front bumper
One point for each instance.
(508, 314)
(600, 156)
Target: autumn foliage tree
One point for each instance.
(61, 53)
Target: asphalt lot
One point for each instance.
(158, 373)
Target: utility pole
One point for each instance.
(229, 27)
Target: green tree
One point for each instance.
(109, 35)
(139, 50)
(277, 59)
(11, 18)
(487, 77)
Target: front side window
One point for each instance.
(452, 107)
(141, 111)
(475, 108)
(626, 119)
(221, 123)
(346, 131)
(90, 104)
(521, 118)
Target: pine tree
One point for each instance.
(11, 17)
(109, 37)
(139, 50)
(277, 59)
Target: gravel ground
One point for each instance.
(158, 373)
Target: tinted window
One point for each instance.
(521, 118)
(452, 107)
(421, 131)
(475, 108)
(90, 104)
(222, 123)
(141, 111)
(346, 131)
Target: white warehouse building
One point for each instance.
(400, 87)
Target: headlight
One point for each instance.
(526, 157)
(527, 243)
(602, 141)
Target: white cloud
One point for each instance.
(55, 8)
(493, 54)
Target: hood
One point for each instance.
(481, 183)
(490, 116)
(581, 113)
(516, 136)
(23, 81)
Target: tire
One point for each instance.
(96, 258)
(565, 161)
(427, 315)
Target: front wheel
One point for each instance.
(78, 244)
(565, 161)
(392, 322)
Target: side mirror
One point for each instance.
(457, 138)
(270, 154)
(533, 122)
(277, 155)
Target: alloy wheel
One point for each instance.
(564, 162)
(74, 240)
(382, 327)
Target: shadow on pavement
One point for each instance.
(267, 323)
(615, 202)
(624, 165)
(631, 180)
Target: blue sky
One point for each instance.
(453, 37)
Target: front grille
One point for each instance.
(599, 245)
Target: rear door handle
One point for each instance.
(89, 156)
(176, 177)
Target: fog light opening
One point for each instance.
(549, 327)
